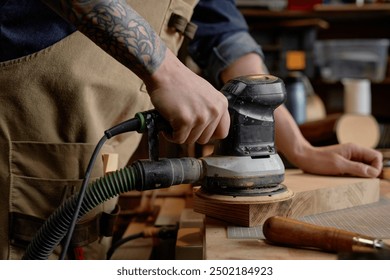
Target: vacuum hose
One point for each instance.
(140, 176)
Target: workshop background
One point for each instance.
(323, 51)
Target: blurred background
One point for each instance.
(333, 57)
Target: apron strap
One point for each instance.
(182, 25)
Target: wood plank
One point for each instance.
(217, 245)
(170, 212)
(110, 162)
(189, 244)
(313, 194)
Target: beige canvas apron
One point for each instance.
(55, 105)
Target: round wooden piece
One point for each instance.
(359, 129)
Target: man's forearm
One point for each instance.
(117, 29)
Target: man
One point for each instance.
(60, 92)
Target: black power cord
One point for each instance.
(80, 198)
(167, 232)
(122, 241)
(135, 124)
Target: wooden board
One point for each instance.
(218, 246)
(313, 194)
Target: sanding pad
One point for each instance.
(260, 199)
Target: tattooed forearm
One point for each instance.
(116, 28)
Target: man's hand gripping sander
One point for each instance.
(245, 163)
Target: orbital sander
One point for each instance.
(245, 166)
(246, 163)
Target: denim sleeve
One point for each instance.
(222, 37)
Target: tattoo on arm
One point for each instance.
(117, 29)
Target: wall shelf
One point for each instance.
(346, 21)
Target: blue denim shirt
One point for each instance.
(27, 26)
(221, 38)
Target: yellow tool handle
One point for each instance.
(290, 232)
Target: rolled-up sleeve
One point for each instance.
(222, 37)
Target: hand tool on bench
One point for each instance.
(291, 232)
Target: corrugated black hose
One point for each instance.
(140, 176)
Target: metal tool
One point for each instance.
(246, 163)
(290, 232)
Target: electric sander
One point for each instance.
(246, 163)
(244, 168)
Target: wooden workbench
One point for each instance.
(217, 246)
(203, 237)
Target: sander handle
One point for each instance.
(291, 232)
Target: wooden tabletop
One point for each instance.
(217, 245)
